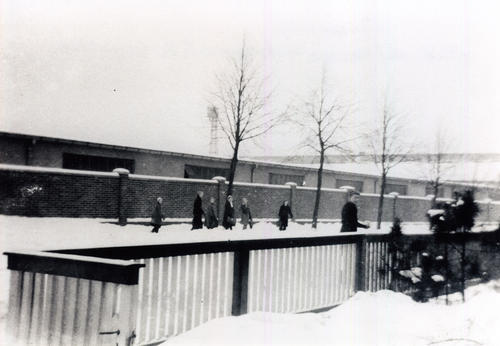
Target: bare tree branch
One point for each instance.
(321, 118)
(242, 102)
(389, 149)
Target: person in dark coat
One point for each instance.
(211, 220)
(350, 221)
(283, 214)
(228, 220)
(157, 216)
(246, 214)
(197, 211)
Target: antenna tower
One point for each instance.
(213, 118)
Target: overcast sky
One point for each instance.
(140, 73)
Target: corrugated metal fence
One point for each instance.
(100, 297)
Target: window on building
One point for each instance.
(358, 185)
(399, 188)
(96, 163)
(429, 190)
(201, 172)
(281, 179)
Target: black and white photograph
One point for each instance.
(236, 172)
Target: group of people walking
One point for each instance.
(228, 219)
(210, 214)
(350, 221)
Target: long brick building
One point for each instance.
(22, 149)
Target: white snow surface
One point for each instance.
(31, 234)
(384, 318)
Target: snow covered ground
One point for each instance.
(27, 233)
(384, 318)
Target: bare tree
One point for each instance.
(323, 119)
(438, 165)
(389, 149)
(242, 106)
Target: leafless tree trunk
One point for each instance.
(389, 150)
(438, 166)
(241, 104)
(323, 119)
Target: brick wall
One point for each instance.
(49, 193)
(264, 201)
(331, 203)
(56, 192)
(412, 209)
(178, 196)
(368, 207)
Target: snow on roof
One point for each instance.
(458, 172)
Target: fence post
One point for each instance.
(293, 193)
(240, 282)
(221, 196)
(360, 263)
(122, 194)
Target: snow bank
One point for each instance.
(382, 318)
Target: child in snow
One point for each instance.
(285, 210)
(228, 221)
(246, 215)
(211, 220)
(157, 216)
(197, 211)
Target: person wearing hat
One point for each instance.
(350, 221)
(157, 216)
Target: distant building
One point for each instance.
(21, 149)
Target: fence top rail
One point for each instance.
(54, 170)
(182, 249)
(134, 252)
(171, 179)
(74, 265)
(450, 237)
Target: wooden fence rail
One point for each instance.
(80, 293)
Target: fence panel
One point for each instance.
(301, 278)
(63, 300)
(377, 265)
(178, 293)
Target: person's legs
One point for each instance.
(197, 223)
(155, 228)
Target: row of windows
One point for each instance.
(281, 179)
(401, 189)
(200, 172)
(96, 163)
(358, 185)
(429, 190)
(107, 164)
